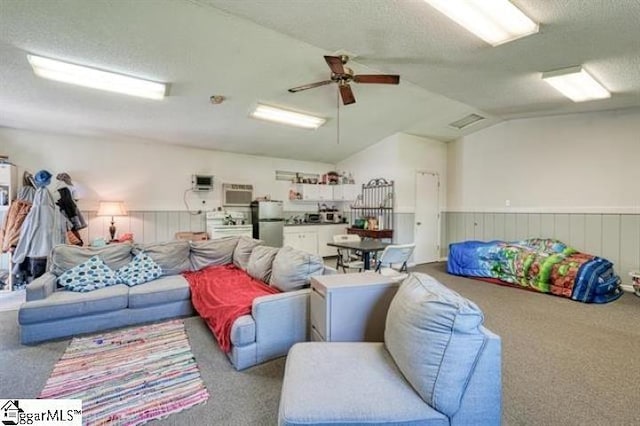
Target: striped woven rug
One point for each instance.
(130, 376)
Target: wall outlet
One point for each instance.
(507, 203)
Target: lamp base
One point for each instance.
(112, 229)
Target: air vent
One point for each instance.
(466, 121)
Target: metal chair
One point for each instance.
(391, 257)
(348, 259)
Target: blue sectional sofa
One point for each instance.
(276, 322)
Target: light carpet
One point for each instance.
(129, 376)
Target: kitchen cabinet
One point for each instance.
(313, 238)
(302, 238)
(350, 307)
(346, 192)
(309, 192)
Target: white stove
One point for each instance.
(218, 227)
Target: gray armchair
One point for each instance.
(437, 366)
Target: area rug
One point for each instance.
(130, 376)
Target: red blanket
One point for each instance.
(221, 294)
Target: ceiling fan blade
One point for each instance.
(347, 94)
(335, 63)
(310, 86)
(377, 78)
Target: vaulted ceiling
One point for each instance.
(253, 50)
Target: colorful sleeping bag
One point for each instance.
(544, 265)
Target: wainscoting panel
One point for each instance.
(146, 226)
(613, 236)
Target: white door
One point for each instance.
(427, 221)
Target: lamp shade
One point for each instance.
(111, 208)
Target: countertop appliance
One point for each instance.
(267, 219)
(330, 217)
(222, 224)
(312, 218)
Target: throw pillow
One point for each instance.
(434, 337)
(88, 276)
(292, 269)
(171, 256)
(142, 269)
(212, 252)
(243, 250)
(261, 262)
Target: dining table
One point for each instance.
(366, 247)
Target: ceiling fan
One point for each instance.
(343, 76)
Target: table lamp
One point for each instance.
(112, 208)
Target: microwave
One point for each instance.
(237, 195)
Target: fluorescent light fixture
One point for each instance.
(96, 79)
(466, 121)
(494, 21)
(283, 116)
(576, 84)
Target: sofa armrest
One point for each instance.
(41, 287)
(281, 320)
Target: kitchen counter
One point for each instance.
(315, 224)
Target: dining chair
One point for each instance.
(348, 259)
(393, 261)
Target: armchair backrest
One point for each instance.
(435, 336)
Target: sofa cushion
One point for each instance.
(88, 276)
(65, 257)
(261, 262)
(243, 250)
(434, 336)
(140, 270)
(69, 304)
(212, 252)
(173, 288)
(243, 331)
(349, 383)
(293, 269)
(171, 256)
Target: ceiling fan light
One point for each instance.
(494, 21)
(96, 79)
(576, 84)
(283, 116)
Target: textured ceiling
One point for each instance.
(253, 50)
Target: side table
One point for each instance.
(350, 307)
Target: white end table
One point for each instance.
(350, 307)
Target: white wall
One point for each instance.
(584, 163)
(147, 176)
(398, 157)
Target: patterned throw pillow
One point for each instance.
(88, 276)
(140, 270)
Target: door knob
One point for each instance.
(418, 223)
